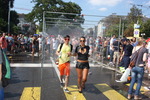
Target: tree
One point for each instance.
(36, 14)
(145, 28)
(13, 21)
(4, 7)
(112, 25)
(135, 16)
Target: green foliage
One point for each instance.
(36, 14)
(134, 15)
(146, 28)
(112, 25)
(13, 21)
(129, 30)
(4, 7)
(16, 29)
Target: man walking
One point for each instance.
(64, 53)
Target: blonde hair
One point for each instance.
(140, 41)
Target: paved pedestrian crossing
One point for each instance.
(31, 93)
(110, 93)
(34, 93)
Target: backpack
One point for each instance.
(57, 60)
(62, 45)
(133, 58)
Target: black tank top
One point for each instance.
(83, 52)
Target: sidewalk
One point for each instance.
(146, 79)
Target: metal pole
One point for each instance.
(43, 52)
(43, 21)
(43, 44)
(122, 29)
(9, 18)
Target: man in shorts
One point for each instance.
(64, 53)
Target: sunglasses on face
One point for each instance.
(82, 40)
(67, 39)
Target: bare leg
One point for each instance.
(84, 77)
(66, 81)
(79, 73)
(33, 51)
(61, 78)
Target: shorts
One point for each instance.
(64, 69)
(116, 55)
(33, 46)
(82, 65)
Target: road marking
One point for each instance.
(109, 92)
(55, 67)
(74, 93)
(29, 65)
(31, 93)
(39, 65)
(142, 90)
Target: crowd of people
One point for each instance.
(115, 50)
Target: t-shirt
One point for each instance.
(111, 43)
(140, 56)
(40, 40)
(128, 50)
(116, 45)
(3, 43)
(85, 54)
(63, 53)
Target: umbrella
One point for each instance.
(148, 40)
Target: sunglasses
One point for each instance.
(67, 39)
(82, 40)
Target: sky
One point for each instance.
(94, 7)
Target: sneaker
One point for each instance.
(119, 81)
(61, 85)
(129, 96)
(66, 90)
(137, 97)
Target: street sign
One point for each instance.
(136, 32)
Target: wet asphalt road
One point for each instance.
(47, 79)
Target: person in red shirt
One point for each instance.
(3, 43)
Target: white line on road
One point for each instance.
(55, 67)
(39, 65)
(29, 65)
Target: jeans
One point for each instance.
(125, 62)
(137, 76)
(111, 55)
